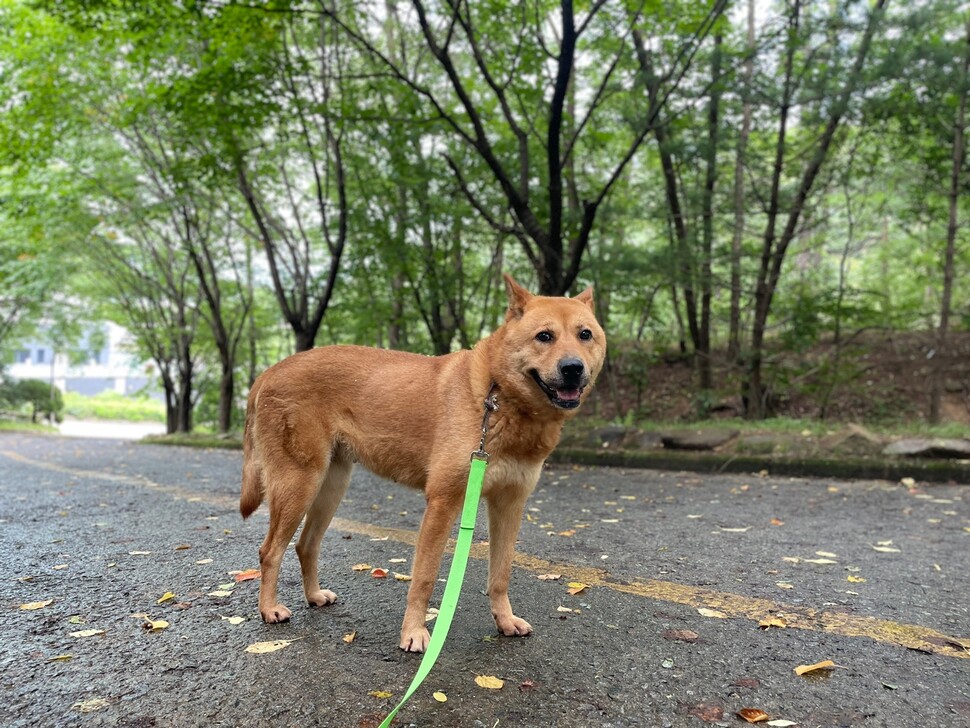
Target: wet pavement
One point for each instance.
(680, 569)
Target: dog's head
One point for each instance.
(553, 347)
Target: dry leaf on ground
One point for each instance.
(768, 622)
(234, 620)
(819, 561)
(348, 638)
(576, 587)
(204, 561)
(36, 605)
(87, 633)
(823, 665)
(221, 593)
(261, 648)
(886, 549)
(781, 723)
(549, 577)
(378, 573)
(753, 715)
(856, 579)
(380, 694)
(361, 567)
(489, 681)
(402, 577)
(154, 625)
(90, 705)
(440, 697)
(248, 575)
(705, 612)
(165, 597)
(60, 658)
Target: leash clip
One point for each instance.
(490, 404)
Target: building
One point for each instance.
(110, 367)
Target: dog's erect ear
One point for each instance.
(587, 298)
(518, 297)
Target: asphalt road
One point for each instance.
(874, 576)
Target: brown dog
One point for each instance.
(416, 419)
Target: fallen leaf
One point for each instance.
(609, 520)
(681, 635)
(736, 530)
(60, 567)
(823, 665)
(753, 715)
(182, 547)
(380, 694)
(820, 561)
(526, 684)
(221, 593)
(87, 633)
(567, 533)
(402, 577)
(430, 614)
(769, 622)
(791, 559)
(378, 573)
(489, 681)
(261, 648)
(36, 605)
(154, 625)
(907, 482)
(576, 587)
(827, 554)
(361, 567)
(230, 585)
(204, 561)
(707, 712)
(856, 579)
(348, 638)
(777, 522)
(781, 723)
(165, 597)
(248, 575)
(886, 549)
(784, 585)
(76, 619)
(139, 553)
(397, 561)
(549, 577)
(705, 612)
(90, 705)
(234, 620)
(60, 658)
(440, 697)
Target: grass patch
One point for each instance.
(24, 426)
(113, 406)
(197, 439)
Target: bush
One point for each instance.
(39, 396)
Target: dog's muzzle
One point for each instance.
(567, 387)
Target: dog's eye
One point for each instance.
(585, 334)
(544, 336)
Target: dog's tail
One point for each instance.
(252, 476)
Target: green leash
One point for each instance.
(456, 575)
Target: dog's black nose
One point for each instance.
(571, 369)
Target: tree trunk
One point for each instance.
(705, 378)
(734, 331)
(942, 331)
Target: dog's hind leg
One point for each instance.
(291, 492)
(317, 520)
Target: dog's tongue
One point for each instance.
(568, 394)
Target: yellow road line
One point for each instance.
(731, 605)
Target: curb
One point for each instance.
(932, 471)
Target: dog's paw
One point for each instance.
(276, 613)
(321, 598)
(415, 640)
(513, 626)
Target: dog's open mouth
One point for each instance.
(565, 395)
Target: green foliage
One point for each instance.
(114, 406)
(35, 396)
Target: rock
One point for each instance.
(697, 440)
(610, 436)
(937, 447)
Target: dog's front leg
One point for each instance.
(439, 515)
(505, 509)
